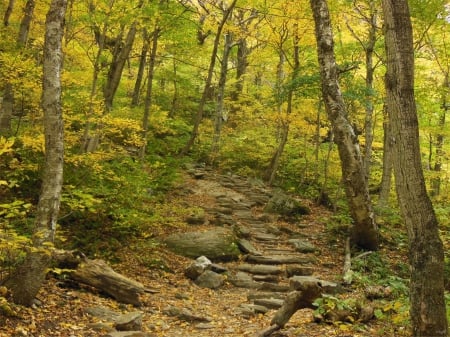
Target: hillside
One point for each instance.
(181, 308)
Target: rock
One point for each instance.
(246, 247)
(218, 244)
(266, 294)
(302, 246)
(129, 334)
(279, 259)
(259, 236)
(266, 278)
(184, 315)
(217, 268)
(197, 268)
(298, 270)
(244, 280)
(261, 269)
(249, 310)
(209, 279)
(103, 313)
(270, 303)
(129, 322)
(285, 205)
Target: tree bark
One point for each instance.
(6, 110)
(8, 13)
(28, 278)
(426, 256)
(141, 69)
(25, 24)
(149, 93)
(364, 231)
(386, 177)
(219, 118)
(120, 56)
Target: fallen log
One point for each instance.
(98, 274)
(301, 298)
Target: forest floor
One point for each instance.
(61, 311)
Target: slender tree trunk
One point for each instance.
(386, 177)
(364, 231)
(149, 93)
(120, 56)
(241, 67)
(285, 122)
(174, 104)
(8, 13)
(28, 278)
(25, 24)
(426, 255)
(436, 182)
(218, 120)
(207, 88)
(140, 74)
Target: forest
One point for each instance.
(224, 168)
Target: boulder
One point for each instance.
(218, 244)
(209, 279)
(283, 204)
(197, 268)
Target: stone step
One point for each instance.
(260, 236)
(280, 259)
(266, 294)
(266, 278)
(270, 303)
(261, 269)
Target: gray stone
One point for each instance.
(279, 259)
(298, 270)
(271, 303)
(246, 247)
(218, 244)
(197, 268)
(261, 269)
(249, 310)
(302, 246)
(266, 294)
(244, 280)
(103, 313)
(285, 205)
(209, 279)
(184, 314)
(129, 322)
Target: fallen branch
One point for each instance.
(298, 299)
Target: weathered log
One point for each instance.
(98, 274)
(295, 300)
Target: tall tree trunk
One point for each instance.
(219, 117)
(174, 104)
(436, 181)
(120, 56)
(241, 67)
(28, 277)
(386, 177)
(201, 107)
(8, 13)
(364, 231)
(271, 171)
(149, 93)
(25, 24)
(426, 256)
(141, 69)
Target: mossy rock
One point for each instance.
(218, 244)
(285, 205)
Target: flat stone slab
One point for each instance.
(261, 269)
(279, 259)
(271, 303)
(246, 247)
(302, 246)
(244, 280)
(249, 310)
(299, 270)
(266, 294)
(259, 236)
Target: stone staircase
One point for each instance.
(275, 255)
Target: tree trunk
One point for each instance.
(27, 279)
(386, 178)
(149, 93)
(8, 13)
(141, 69)
(364, 231)
(207, 88)
(25, 24)
(426, 256)
(219, 118)
(174, 104)
(120, 56)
